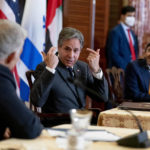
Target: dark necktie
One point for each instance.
(131, 45)
(71, 72)
(72, 75)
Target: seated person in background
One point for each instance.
(137, 78)
(22, 123)
(122, 45)
(52, 91)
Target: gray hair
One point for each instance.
(70, 33)
(12, 37)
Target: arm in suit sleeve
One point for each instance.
(42, 85)
(15, 115)
(113, 47)
(100, 86)
(132, 85)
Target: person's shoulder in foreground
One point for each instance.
(14, 115)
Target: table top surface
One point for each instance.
(46, 142)
(124, 112)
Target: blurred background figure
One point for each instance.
(137, 78)
(122, 45)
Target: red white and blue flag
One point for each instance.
(12, 10)
(31, 14)
(33, 20)
(53, 22)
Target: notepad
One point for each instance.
(135, 106)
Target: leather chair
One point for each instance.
(115, 78)
(54, 117)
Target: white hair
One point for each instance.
(12, 37)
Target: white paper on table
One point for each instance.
(101, 135)
(91, 135)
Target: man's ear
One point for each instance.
(10, 58)
(122, 17)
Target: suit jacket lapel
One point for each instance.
(124, 35)
(64, 74)
(77, 71)
(78, 75)
(145, 75)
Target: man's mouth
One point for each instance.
(69, 61)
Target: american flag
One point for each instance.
(12, 10)
(31, 14)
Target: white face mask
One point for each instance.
(130, 21)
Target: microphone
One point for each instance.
(80, 84)
(138, 140)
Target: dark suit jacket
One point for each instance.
(54, 93)
(137, 79)
(117, 48)
(13, 112)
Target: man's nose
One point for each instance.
(71, 54)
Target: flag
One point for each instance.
(12, 10)
(31, 14)
(53, 22)
(33, 21)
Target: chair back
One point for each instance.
(30, 78)
(115, 78)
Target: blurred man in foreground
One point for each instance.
(22, 123)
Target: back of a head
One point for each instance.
(70, 33)
(127, 9)
(12, 37)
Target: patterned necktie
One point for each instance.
(71, 72)
(131, 46)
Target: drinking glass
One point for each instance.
(80, 119)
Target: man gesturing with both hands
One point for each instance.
(52, 91)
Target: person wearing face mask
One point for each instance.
(137, 78)
(122, 45)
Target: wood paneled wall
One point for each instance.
(115, 11)
(101, 28)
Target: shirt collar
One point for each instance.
(125, 27)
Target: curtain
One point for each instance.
(142, 26)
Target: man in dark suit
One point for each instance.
(14, 115)
(137, 78)
(52, 91)
(122, 45)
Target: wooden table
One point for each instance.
(46, 142)
(121, 118)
